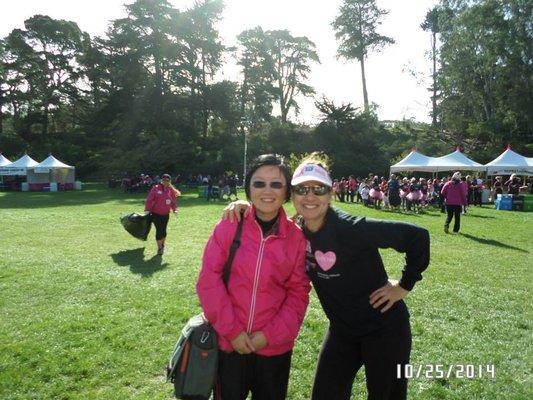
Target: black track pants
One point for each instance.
(340, 359)
(160, 222)
(453, 212)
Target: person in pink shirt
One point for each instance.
(455, 194)
(336, 190)
(352, 188)
(259, 314)
(343, 187)
(161, 200)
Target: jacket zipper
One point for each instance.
(256, 279)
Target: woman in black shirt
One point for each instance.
(369, 321)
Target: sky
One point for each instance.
(397, 77)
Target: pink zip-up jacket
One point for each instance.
(268, 288)
(454, 193)
(160, 200)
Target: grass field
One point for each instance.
(88, 312)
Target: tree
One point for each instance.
(338, 115)
(257, 90)
(3, 87)
(355, 29)
(291, 58)
(21, 68)
(203, 50)
(431, 23)
(56, 45)
(275, 65)
(361, 134)
(146, 36)
(486, 70)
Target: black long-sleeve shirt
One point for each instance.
(345, 267)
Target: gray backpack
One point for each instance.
(193, 363)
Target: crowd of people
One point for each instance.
(398, 192)
(140, 183)
(413, 194)
(223, 187)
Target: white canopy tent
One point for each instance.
(19, 167)
(455, 161)
(4, 161)
(414, 161)
(51, 170)
(510, 162)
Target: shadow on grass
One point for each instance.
(134, 259)
(468, 215)
(492, 242)
(419, 213)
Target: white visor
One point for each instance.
(311, 172)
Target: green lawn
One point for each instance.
(88, 312)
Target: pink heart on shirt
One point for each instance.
(325, 260)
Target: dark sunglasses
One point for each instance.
(262, 185)
(317, 190)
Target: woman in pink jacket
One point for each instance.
(160, 201)
(455, 195)
(260, 313)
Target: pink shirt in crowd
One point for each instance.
(455, 193)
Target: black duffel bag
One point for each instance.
(137, 225)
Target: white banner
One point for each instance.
(508, 171)
(12, 171)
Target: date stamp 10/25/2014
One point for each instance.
(440, 371)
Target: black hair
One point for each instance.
(266, 160)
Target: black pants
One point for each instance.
(471, 196)
(453, 211)
(340, 360)
(477, 198)
(266, 377)
(160, 223)
(442, 206)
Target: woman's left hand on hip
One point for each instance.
(388, 295)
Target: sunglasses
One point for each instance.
(262, 185)
(317, 190)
